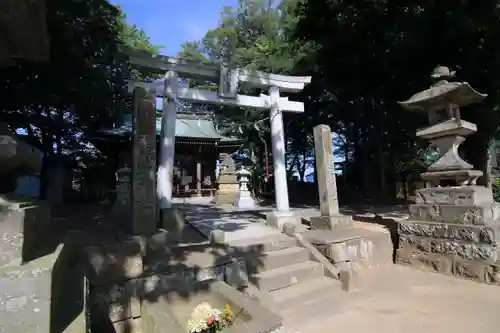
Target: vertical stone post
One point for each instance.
(282, 214)
(198, 179)
(167, 142)
(327, 185)
(278, 147)
(144, 162)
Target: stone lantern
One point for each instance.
(244, 199)
(454, 225)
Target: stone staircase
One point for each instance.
(293, 284)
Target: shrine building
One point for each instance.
(198, 148)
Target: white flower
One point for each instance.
(199, 316)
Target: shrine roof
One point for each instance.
(185, 127)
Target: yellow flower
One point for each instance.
(228, 308)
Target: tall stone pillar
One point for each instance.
(144, 162)
(327, 184)
(198, 178)
(167, 142)
(282, 214)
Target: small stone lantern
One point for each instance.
(244, 199)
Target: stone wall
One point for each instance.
(45, 295)
(468, 251)
(126, 274)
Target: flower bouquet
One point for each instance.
(206, 319)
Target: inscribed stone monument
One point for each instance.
(327, 187)
(454, 225)
(144, 162)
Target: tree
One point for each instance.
(257, 34)
(81, 86)
(369, 55)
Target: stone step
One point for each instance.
(304, 291)
(263, 244)
(356, 245)
(286, 276)
(280, 258)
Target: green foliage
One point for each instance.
(495, 185)
(81, 88)
(369, 55)
(258, 35)
(132, 36)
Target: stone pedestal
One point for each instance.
(453, 230)
(227, 191)
(279, 219)
(228, 185)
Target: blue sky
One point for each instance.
(172, 22)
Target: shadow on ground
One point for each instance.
(123, 269)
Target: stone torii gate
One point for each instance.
(227, 94)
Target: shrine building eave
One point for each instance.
(196, 131)
(439, 96)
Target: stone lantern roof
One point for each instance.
(443, 93)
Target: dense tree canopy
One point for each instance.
(364, 56)
(82, 86)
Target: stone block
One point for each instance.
(425, 261)
(217, 237)
(289, 228)
(455, 232)
(365, 247)
(158, 318)
(115, 302)
(470, 270)
(69, 292)
(458, 195)
(21, 227)
(172, 220)
(25, 298)
(457, 214)
(469, 251)
(415, 243)
(329, 222)
(129, 326)
(236, 275)
(279, 219)
(227, 197)
(492, 274)
(115, 262)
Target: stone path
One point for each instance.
(237, 225)
(397, 299)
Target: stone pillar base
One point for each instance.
(278, 219)
(222, 198)
(330, 222)
(172, 220)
